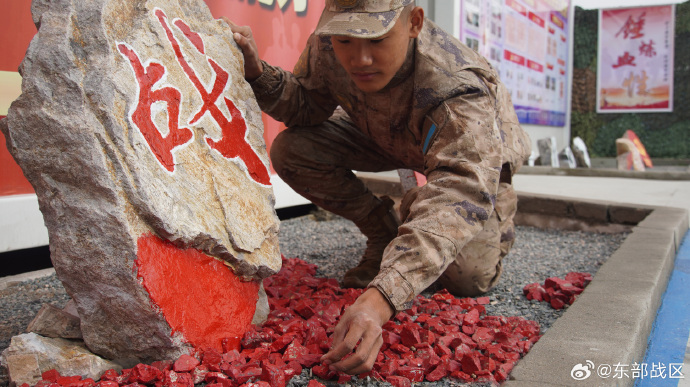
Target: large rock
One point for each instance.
(145, 147)
(581, 153)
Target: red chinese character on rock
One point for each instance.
(647, 49)
(625, 60)
(147, 77)
(633, 27)
(232, 144)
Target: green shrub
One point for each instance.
(671, 142)
(586, 35)
(584, 125)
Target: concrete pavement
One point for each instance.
(634, 191)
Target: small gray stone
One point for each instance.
(29, 355)
(567, 157)
(51, 321)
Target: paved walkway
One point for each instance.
(629, 191)
(669, 345)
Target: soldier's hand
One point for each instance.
(244, 38)
(360, 326)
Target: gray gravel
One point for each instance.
(335, 245)
(21, 302)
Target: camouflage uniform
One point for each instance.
(445, 114)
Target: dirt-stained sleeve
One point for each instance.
(462, 164)
(298, 98)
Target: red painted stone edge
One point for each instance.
(199, 296)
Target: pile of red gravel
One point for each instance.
(439, 337)
(558, 292)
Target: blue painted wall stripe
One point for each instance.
(669, 338)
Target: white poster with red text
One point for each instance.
(635, 63)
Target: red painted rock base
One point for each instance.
(199, 296)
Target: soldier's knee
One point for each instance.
(468, 279)
(471, 285)
(281, 149)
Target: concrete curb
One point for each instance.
(605, 172)
(611, 321)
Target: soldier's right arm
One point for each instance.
(295, 99)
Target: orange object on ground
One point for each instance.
(630, 135)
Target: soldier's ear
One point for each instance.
(416, 21)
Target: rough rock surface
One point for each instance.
(581, 154)
(51, 321)
(135, 121)
(30, 354)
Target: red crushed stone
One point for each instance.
(557, 291)
(439, 337)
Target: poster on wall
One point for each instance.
(527, 41)
(635, 62)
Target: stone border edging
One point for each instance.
(611, 320)
(548, 211)
(605, 172)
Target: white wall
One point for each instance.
(21, 223)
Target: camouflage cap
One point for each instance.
(365, 19)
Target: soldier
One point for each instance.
(379, 87)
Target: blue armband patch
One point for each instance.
(429, 135)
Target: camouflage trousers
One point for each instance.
(318, 162)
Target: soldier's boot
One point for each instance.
(380, 227)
